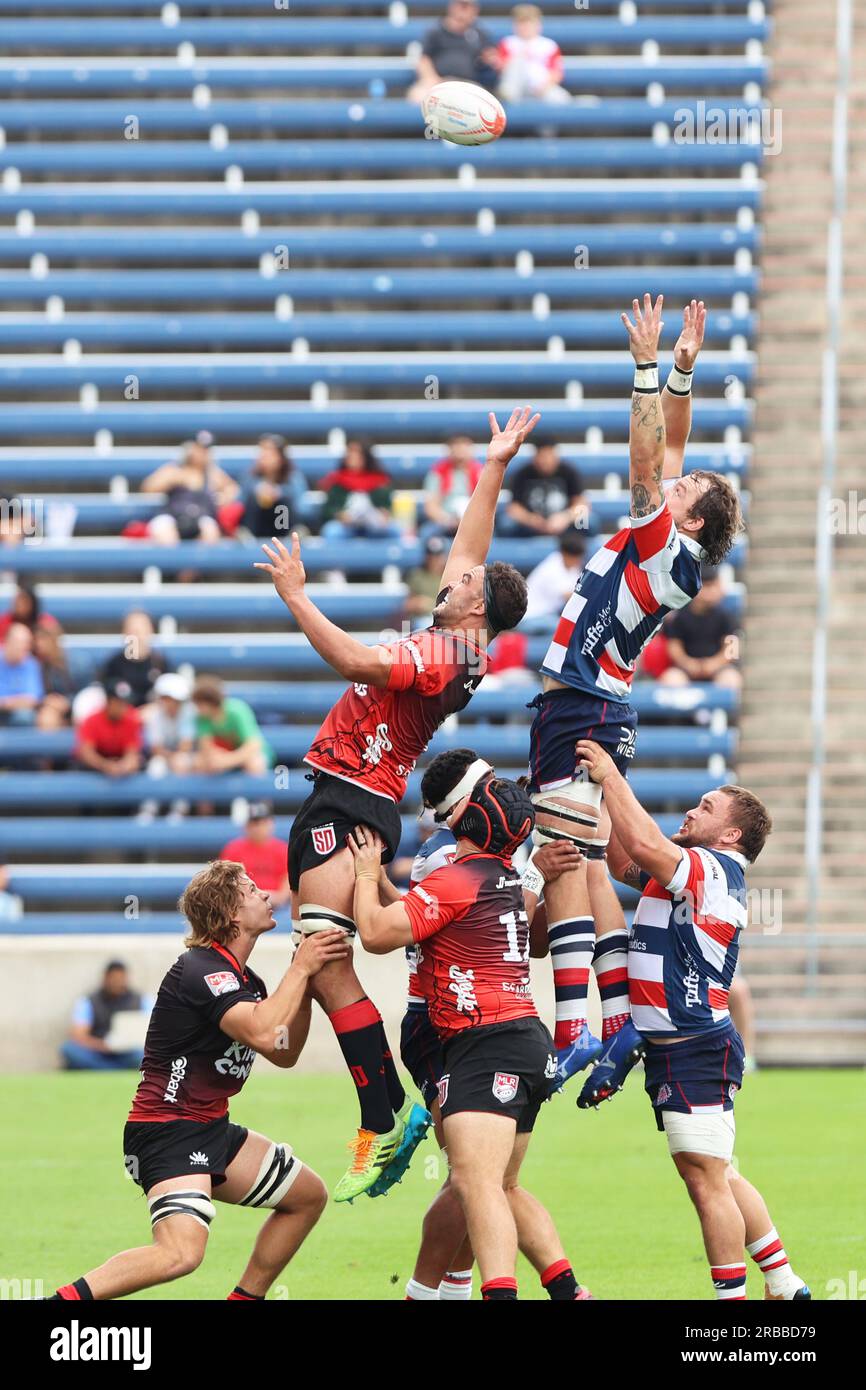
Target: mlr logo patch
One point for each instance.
(324, 839)
(221, 982)
(505, 1086)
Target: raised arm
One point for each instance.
(638, 837)
(646, 443)
(345, 654)
(677, 402)
(475, 532)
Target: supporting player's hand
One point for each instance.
(504, 444)
(645, 332)
(591, 756)
(320, 948)
(560, 857)
(691, 339)
(367, 848)
(286, 569)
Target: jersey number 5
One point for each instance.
(510, 920)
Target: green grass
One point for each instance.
(607, 1178)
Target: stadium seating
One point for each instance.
(159, 258)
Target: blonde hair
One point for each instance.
(210, 902)
(527, 12)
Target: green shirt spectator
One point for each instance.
(229, 738)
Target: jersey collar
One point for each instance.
(735, 855)
(232, 960)
(692, 546)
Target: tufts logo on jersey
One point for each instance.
(222, 982)
(199, 1158)
(442, 1088)
(664, 1094)
(505, 1086)
(324, 839)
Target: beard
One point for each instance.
(687, 839)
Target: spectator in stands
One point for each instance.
(358, 496)
(108, 1026)
(425, 582)
(11, 906)
(137, 662)
(171, 727)
(546, 496)
(228, 736)
(11, 523)
(449, 485)
(26, 608)
(58, 685)
(263, 855)
(272, 491)
(110, 739)
(457, 47)
(701, 645)
(552, 582)
(195, 487)
(21, 687)
(530, 65)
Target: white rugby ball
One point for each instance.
(463, 113)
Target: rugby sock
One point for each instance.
(571, 947)
(610, 963)
(240, 1295)
(420, 1293)
(456, 1287)
(358, 1028)
(498, 1290)
(729, 1281)
(769, 1255)
(73, 1292)
(559, 1281)
(396, 1093)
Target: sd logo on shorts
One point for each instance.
(505, 1086)
(324, 839)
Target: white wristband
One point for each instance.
(680, 382)
(532, 879)
(646, 377)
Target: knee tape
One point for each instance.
(567, 803)
(316, 918)
(192, 1203)
(698, 1133)
(277, 1172)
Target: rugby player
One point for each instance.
(681, 960)
(211, 1018)
(625, 590)
(361, 759)
(443, 1268)
(470, 922)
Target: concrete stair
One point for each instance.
(803, 1015)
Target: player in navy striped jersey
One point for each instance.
(682, 956)
(650, 567)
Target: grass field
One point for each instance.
(607, 1178)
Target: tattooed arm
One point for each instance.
(647, 428)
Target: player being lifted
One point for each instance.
(627, 587)
(470, 922)
(211, 1018)
(361, 759)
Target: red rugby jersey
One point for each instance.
(374, 737)
(469, 920)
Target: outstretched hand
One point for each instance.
(645, 332)
(286, 569)
(691, 339)
(504, 444)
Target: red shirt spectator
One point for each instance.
(110, 737)
(263, 855)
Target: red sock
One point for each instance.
(239, 1295)
(498, 1290)
(358, 1028)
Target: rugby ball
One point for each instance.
(463, 113)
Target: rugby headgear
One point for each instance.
(498, 817)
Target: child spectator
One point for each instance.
(449, 485)
(358, 497)
(110, 739)
(171, 726)
(531, 66)
(228, 736)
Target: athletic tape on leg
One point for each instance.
(315, 918)
(576, 794)
(195, 1204)
(277, 1172)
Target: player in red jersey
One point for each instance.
(470, 922)
(362, 758)
(211, 1018)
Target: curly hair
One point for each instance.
(509, 591)
(719, 508)
(444, 773)
(210, 902)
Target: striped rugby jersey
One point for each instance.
(684, 943)
(620, 600)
